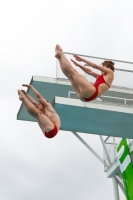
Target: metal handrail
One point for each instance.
(121, 61)
(70, 92)
(125, 100)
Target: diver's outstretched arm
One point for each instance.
(93, 65)
(85, 69)
(31, 99)
(37, 94)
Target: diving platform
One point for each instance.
(109, 115)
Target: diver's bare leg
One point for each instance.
(85, 87)
(75, 87)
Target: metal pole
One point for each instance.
(114, 148)
(56, 69)
(114, 179)
(122, 188)
(120, 183)
(129, 141)
(121, 61)
(106, 139)
(105, 149)
(92, 151)
(119, 179)
(115, 187)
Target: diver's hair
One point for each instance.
(109, 64)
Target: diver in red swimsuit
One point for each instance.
(99, 80)
(43, 112)
(83, 88)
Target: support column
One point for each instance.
(115, 187)
(105, 149)
(92, 151)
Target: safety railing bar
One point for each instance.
(70, 92)
(118, 69)
(123, 70)
(122, 61)
(109, 97)
(116, 98)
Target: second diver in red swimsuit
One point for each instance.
(44, 113)
(83, 88)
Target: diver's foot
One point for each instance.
(59, 47)
(58, 51)
(21, 95)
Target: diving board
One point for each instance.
(96, 117)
